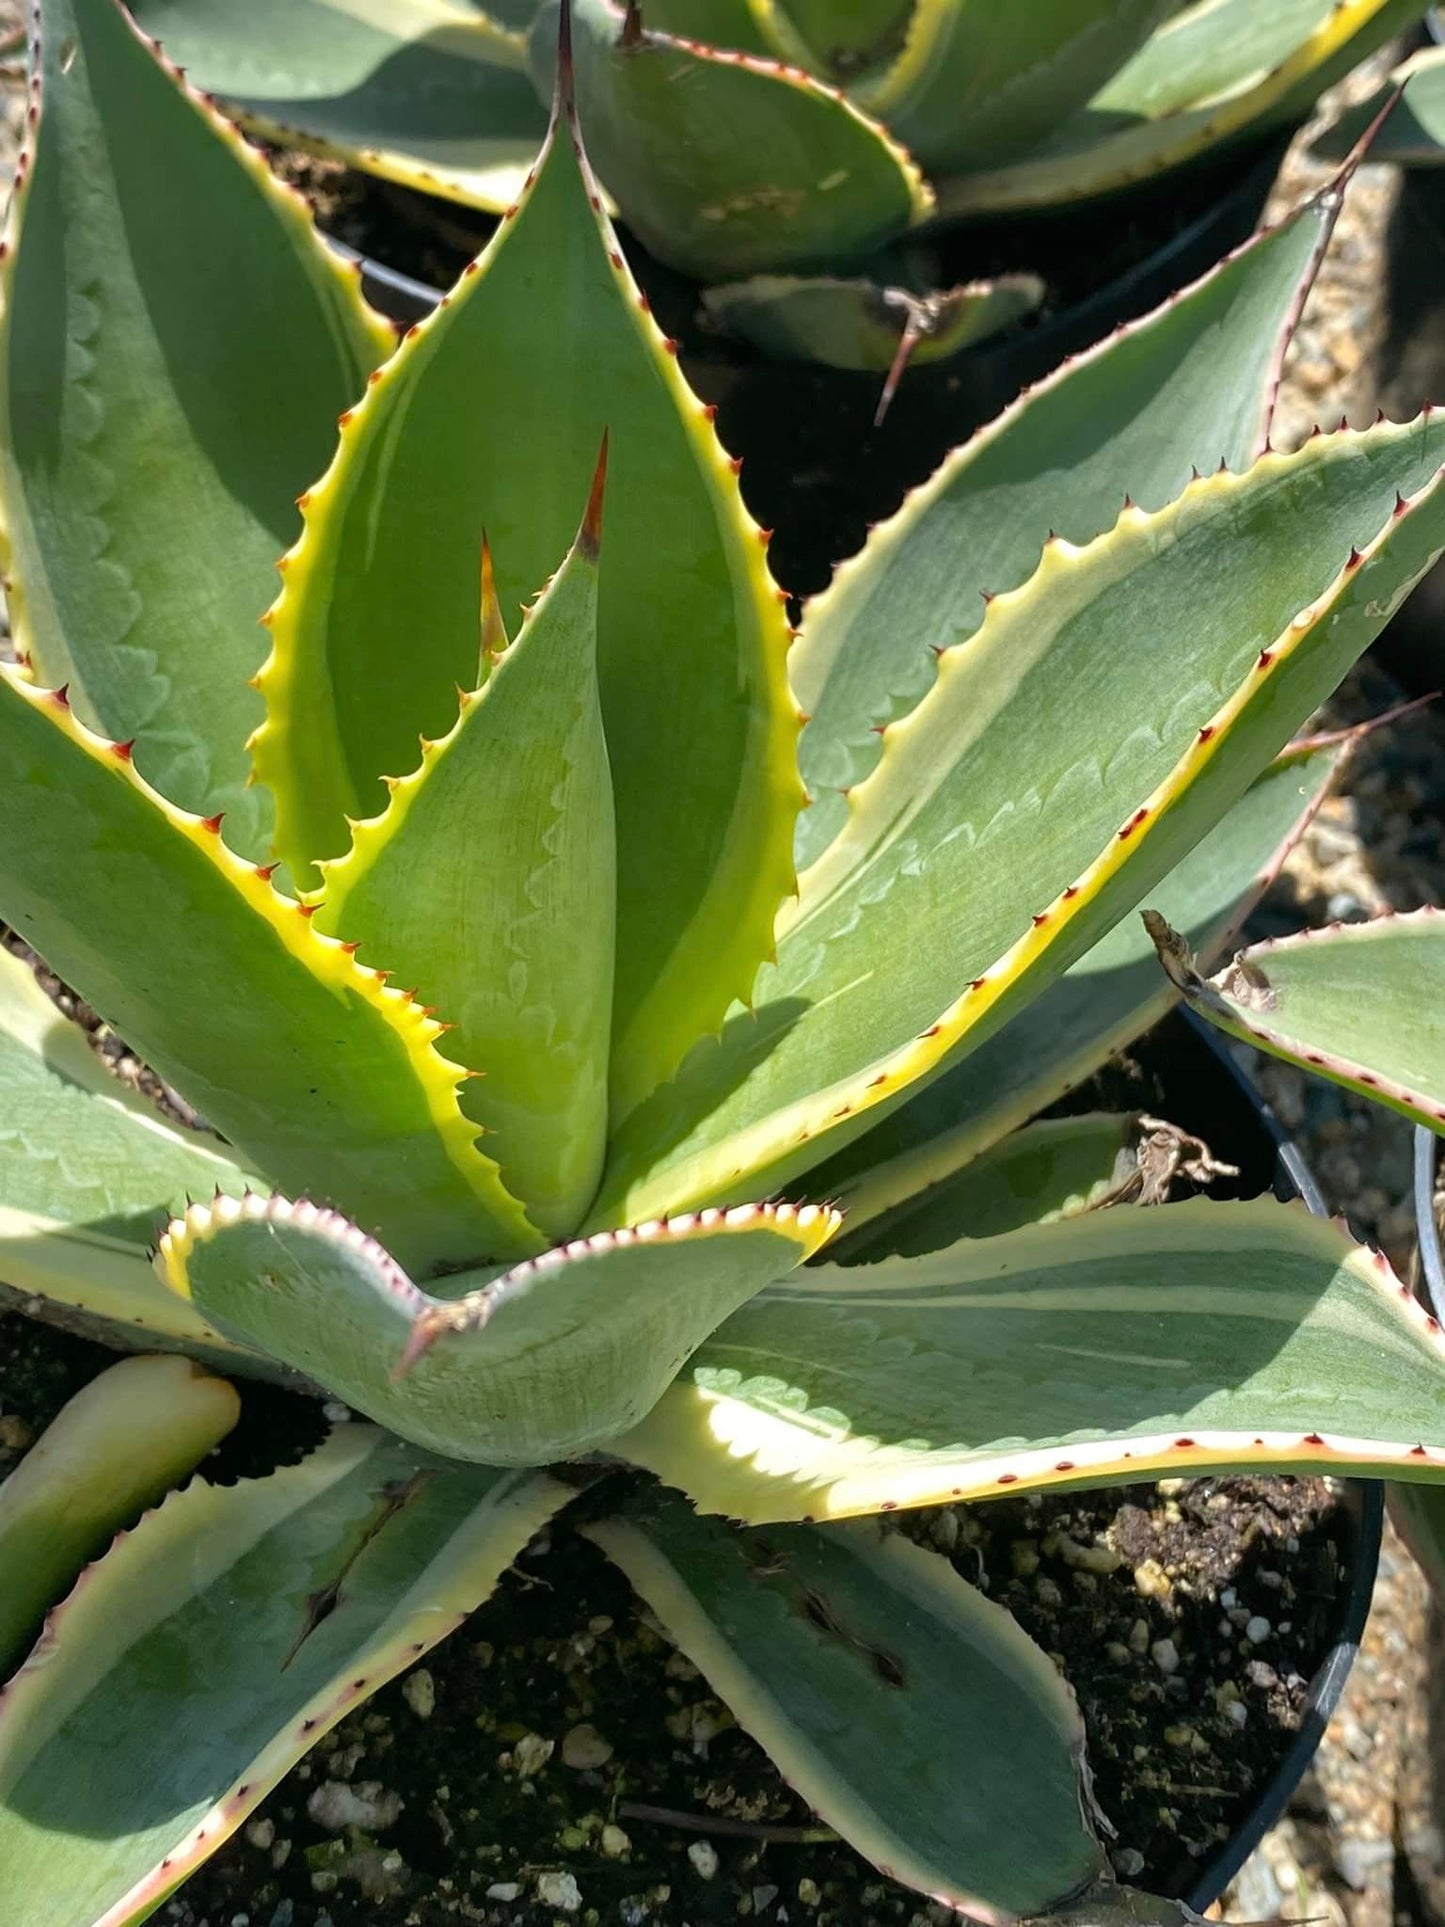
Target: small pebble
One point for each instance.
(615, 1843)
(1152, 1581)
(703, 1855)
(559, 1890)
(583, 1747)
(1128, 1861)
(1166, 1655)
(368, 1804)
(809, 1892)
(531, 1754)
(419, 1690)
(1258, 1630)
(15, 1434)
(1237, 1712)
(261, 1834)
(503, 1890)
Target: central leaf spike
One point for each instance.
(490, 883)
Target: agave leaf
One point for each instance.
(1191, 385)
(541, 349)
(1113, 994)
(743, 25)
(513, 944)
(516, 1367)
(1418, 1514)
(433, 95)
(1281, 58)
(308, 1062)
(89, 1172)
(843, 38)
(193, 1665)
(1054, 1168)
(1358, 1003)
(726, 164)
(860, 325)
(115, 1448)
(176, 343)
(975, 81)
(1183, 647)
(1413, 134)
(1098, 1349)
(872, 1673)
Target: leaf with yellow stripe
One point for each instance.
(498, 1367)
(317, 1071)
(1090, 1351)
(1103, 719)
(490, 416)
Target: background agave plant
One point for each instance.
(690, 967)
(798, 155)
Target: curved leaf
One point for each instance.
(520, 1367)
(512, 943)
(839, 37)
(489, 417)
(193, 1665)
(1413, 133)
(89, 1173)
(313, 1068)
(1113, 994)
(113, 1449)
(1182, 648)
(873, 1675)
(975, 81)
(1055, 1168)
(1189, 386)
(176, 343)
(1359, 1003)
(1098, 1349)
(1123, 137)
(860, 325)
(725, 164)
(431, 94)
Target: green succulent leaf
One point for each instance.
(740, 24)
(430, 94)
(314, 1069)
(975, 81)
(843, 38)
(1418, 1515)
(725, 164)
(872, 1673)
(1097, 1349)
(517, 1367)
(1189, 386)
(1184, 647)
(1215, 74)
(1413, 134)
(195, 1664)
(89, 1173)
(176, 343)
(1055, 1168)
(1113, 994)
(540, 350)
(1358, 1003)
(861, 325)
(516, 949)
(115, 1448)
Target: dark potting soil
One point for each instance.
(558, 1758)
(817, 470)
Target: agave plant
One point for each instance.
(799, 154)
(538, 1062)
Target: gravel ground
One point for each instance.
(1364, 1842)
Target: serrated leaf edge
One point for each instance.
(1331, 1064)
(427, 1627)
(773, 875)
(757, 1148)
(329, 960)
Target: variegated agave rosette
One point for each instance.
(512, 1045)
(798, 156)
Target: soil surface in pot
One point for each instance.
(507, 1778)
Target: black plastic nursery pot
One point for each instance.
(817, 469)
(511, 1670)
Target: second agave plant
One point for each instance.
(562, 952)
